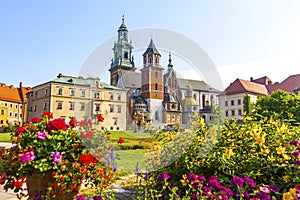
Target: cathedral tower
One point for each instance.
(122, 58)
(152, 80)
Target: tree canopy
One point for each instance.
(278, 105)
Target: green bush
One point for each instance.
(9, 129)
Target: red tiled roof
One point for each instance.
(263, 80)
(13, 94)
(243, 86)
(289, 84)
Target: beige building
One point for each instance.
(231, 99)
(12, 104)
(81, 98)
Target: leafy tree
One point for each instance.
(248, 105)
(279, 105)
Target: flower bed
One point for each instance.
(65, 153)
(265, 151)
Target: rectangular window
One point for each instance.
(239, 102)
(60, 91)
(119, 108)
(5, 104)
(72, 92)
(11, 105)
(2, 112)
(10, 114)
(34, 108)
(83, 93)
(17, 106)
(232, 102)
(45, 106)
(59, 105)
(226, 103)
(16, 115)
(82, 106)
(1, 121)
(240, 112)
(35, 94)
(111, 108)
(97, 107)
(72, 106)
(226, 113)
(232, 112)
(97, 95)
(119, 97)
(46, 91)
(115, 121)
(20, 107)
(21, 115)
(111, 96)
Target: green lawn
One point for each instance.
(127, 160)
(4, 137)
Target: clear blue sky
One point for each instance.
(40, 39)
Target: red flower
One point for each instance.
(21, 130)
(100, 118)
(86, 159)
(57, 124)
(18, 182)
(88, 135)
(48, 114)
(121, 141)
(34, 120)
(72, 122)
(90, 123)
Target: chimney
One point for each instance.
(251, 79)
(21, 85)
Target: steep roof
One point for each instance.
(13, 94)
(131, 79)
(290, 84)
(151, 49)
(243, 86)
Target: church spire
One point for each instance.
(170, 65)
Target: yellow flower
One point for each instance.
(283, 129)
(228, 153)
(287, 196)
(184, 180)
(290, 195)
(265, 151)
(286, 157)
(286, 178)
(280, 150)
(271, 159)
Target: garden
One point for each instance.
(257, 157)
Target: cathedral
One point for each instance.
(154, 94)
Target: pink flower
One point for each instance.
(28, 156)
(265, 189)
(56, 156)
(41, 135)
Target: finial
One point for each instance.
(170, 59)
(123, 19)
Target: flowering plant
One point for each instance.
(50, 148)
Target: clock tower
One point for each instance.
(122, 58)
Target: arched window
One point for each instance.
(150, 60)
(156, 60)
